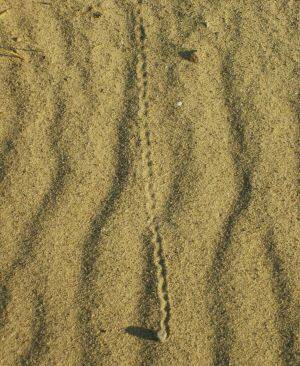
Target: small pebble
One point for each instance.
(189, 55)
(97, 14)
(162, 335)
(179, 103)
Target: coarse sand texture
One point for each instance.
(149, 183)
(145, 133)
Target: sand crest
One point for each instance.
(149, 183)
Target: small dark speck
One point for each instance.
(97, 14)
(189, 55)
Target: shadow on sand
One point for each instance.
(142, 333)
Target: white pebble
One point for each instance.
(179, 104)
(162, 335)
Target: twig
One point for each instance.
(4, 11)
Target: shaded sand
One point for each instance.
(94, 144)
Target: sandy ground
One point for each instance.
(114, 149)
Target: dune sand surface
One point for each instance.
(148, 181)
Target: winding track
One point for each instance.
(77, 269)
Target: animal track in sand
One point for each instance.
(147, 161)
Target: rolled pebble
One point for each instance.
(179, 104)
(162, 335)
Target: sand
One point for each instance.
(141, 191)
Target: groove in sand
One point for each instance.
(70, 58)
(27, 251)
(29, 243)
(220, 319)
(91, 247)
(286, 328)
(145, 136)
(38, 343)
(20, 99)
